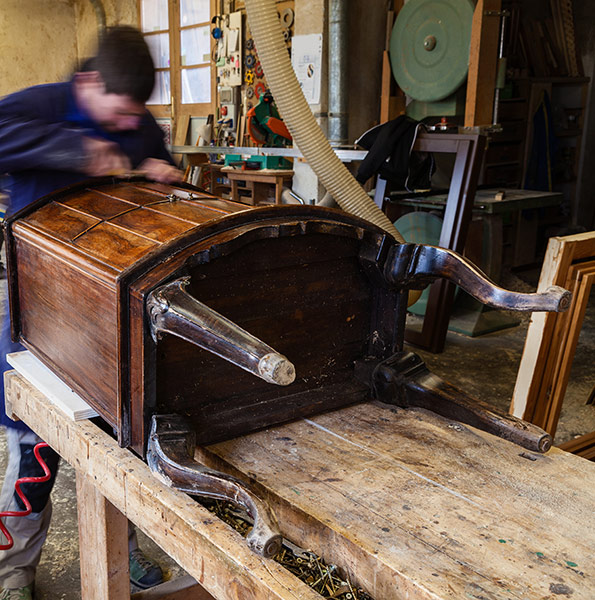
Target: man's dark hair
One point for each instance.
(124, 62)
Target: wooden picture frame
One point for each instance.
(552, 338)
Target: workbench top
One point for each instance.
(415, 506)
(407, 503)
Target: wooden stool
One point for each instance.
(258, 183)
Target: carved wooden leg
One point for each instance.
(103, 540)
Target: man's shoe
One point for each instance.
(22, 593)
(144, 573)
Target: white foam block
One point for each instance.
(49, 384)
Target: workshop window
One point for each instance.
(178, 33)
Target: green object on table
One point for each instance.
(266, 162)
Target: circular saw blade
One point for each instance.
(429, 47)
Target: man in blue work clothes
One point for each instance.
(52, 136)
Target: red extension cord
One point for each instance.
(17, 487)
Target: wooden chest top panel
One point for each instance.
(61, 222)
(119, 223)
(152, 224)
(99, 205)
(115, 246)
(190, 211)
(138, 194)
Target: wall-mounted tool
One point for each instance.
(287, 18)
(258, 70)
(265, 125)
(217, 32)
(229, 102)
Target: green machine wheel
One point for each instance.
(429, 47)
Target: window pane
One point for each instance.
(195, 46)
(194, 11)
(154, 15)
(159, 47)
(196, 85)
(161, 92)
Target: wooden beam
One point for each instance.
(104, 555)
(205, 547)
(583, 446)
(483, 64)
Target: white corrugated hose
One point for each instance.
(290, 100)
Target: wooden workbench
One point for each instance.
(409, 504)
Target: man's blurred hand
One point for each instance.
(160, 170)
(104, 158)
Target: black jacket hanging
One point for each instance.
(390, 155)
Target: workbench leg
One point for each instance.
(103, 540)
(235, 196)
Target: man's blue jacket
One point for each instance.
(41, 150)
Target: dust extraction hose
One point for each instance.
(332, 173)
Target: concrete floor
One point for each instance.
(485, 366)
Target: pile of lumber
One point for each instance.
(546, 45)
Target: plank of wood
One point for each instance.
(483, 64)
(181, 130)
(583, 446)
(104, 555)
(182, 588)
(385, 88)
(208, 549)
(568, 350)
(415, 506)
(45, 380)
(568, 29)
(560, 254)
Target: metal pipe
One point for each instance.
(501, 75)
(337, 73)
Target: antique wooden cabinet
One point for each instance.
(83, 260)
(183, 318)
(149, 299)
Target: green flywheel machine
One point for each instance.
(429, 54)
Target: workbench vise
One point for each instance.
(185, 319)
